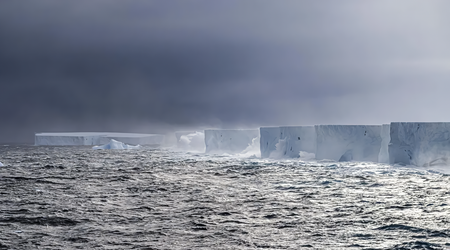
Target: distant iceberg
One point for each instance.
(1, 164)
(113, 144)
(96, 138)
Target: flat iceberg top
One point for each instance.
(114, 134)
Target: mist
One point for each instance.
(158, 66)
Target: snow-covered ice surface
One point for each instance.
(113, 144)
(231, 141)
(78, 198)
(348, 142)
(192, 141)
(419, 143)
(96, 138)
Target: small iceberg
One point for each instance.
(1, 164)
(113, 144)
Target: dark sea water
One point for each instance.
(79, 198)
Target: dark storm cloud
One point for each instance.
(156, 65)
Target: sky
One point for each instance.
(159, 66)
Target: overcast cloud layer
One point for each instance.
(154, 66)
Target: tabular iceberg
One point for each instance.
(231, 141)
(383, 156)
(113, 144)
(287, 141)
(419, 143)
(269, 137)
(298, 139)
(348, 142)
(95, 138)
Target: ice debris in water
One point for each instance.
(113, 144)
(192, 142)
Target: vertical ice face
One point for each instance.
(287, 141)
(232, 141)
(383, 157)
(348, 142)
(269, 137)
(419, 143)
(296, 139)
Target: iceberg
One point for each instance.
(383, 156)
(287, 141)
(348, 142)
(269, 137)
(194, 141)
(298, 139)
(113, 144)
(232, 141)
(96, 138)
(1, 164)
(421, 144)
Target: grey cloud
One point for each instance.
(158, 65)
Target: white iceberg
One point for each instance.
(288, 142)
(1, 164)
(383, 156)
(113, 144)
(298, 139)
(420, 143)
(269, 137)
(348, 142)
(96, 138)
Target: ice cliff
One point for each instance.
(95, 138)
(232, 141)
(287, 141)
(298, 139)
(420, 143)
(383, 156)
(348, 142)
(269, 137)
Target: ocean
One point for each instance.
(79, 198)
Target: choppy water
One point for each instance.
(78, 198)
